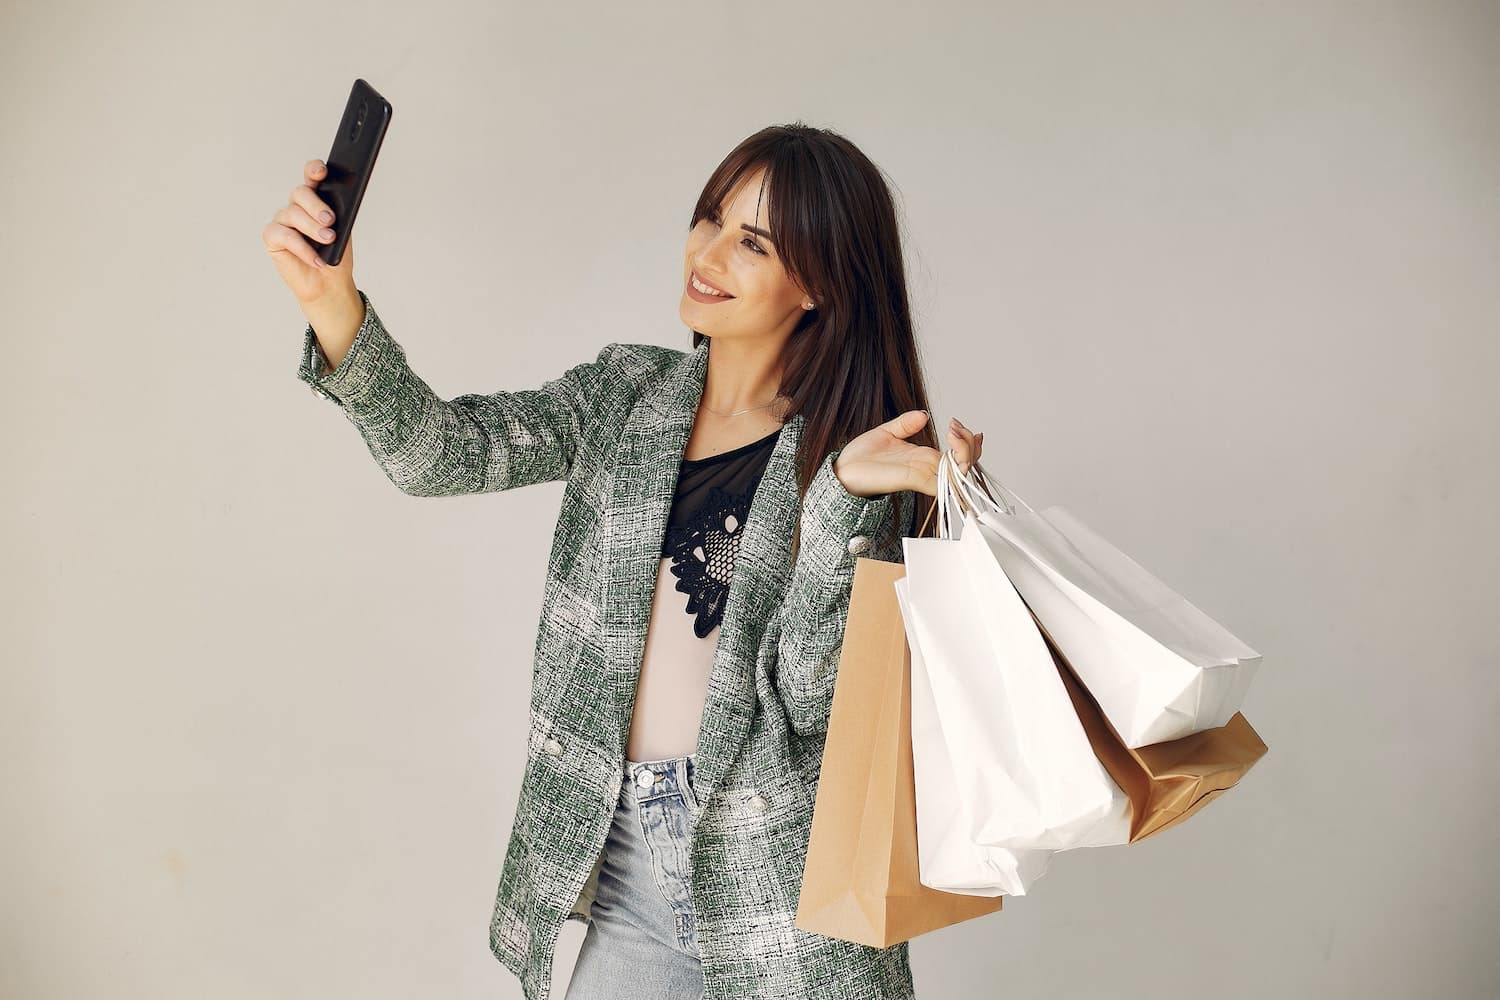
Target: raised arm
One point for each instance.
(428, 446)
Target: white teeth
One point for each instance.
(702, 287)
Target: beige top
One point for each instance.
(674, 677)
(699, 551)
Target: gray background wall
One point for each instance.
(1218, 277)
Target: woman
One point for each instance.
(700, 571)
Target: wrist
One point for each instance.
(335, 319)
(837, 475)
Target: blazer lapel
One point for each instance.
(761, 572)
(645, 480)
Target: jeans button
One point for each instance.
(644, 777)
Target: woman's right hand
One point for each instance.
(287, 237)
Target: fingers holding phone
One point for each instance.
(295, 232)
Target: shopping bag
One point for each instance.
(860, 879)
(948, 858)
(1158, 666)
(1170, 781)
(1021, 761)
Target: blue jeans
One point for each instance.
(641, 941)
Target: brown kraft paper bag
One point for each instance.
(860, 880)
(1165, 782)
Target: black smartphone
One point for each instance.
(367, 115)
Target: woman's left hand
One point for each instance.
(881, 460)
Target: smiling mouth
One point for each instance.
(704, 288)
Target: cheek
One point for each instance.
(777, 292)
(753, 288)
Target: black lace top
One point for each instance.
(704, 526)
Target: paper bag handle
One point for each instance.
(957, 488)
(977, 479)
(941, 502)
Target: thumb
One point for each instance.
(906, 424)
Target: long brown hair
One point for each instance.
(851, 363)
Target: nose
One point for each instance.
(709, 261)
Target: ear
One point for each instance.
(814, 296)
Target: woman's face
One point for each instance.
(730, 251)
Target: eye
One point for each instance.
(713, 217)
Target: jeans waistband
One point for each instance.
(663, 776)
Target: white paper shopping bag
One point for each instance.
(1158, 666)
(1021, 761)
(947, 856)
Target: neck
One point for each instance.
(742, 375)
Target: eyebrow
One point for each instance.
(754, 229)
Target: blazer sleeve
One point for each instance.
(429, 446)
(816, 605)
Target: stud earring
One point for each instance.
(807, 305)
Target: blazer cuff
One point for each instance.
(837, 524)
(371, 358)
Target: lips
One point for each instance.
(707, 284)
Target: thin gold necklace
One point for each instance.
(736, 413)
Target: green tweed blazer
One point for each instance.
(614, 429)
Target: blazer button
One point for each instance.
(758, 805)
(858, 544)
(553, 747)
